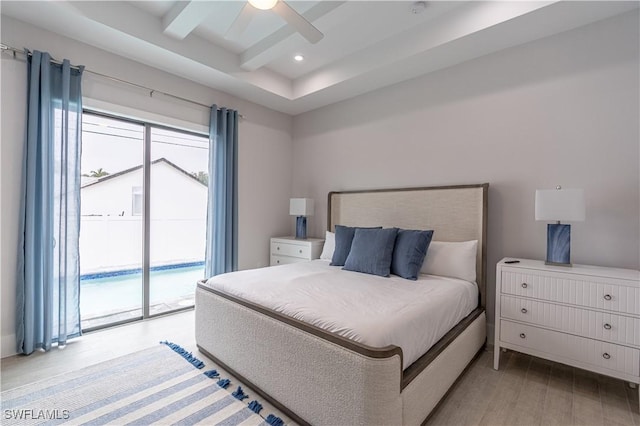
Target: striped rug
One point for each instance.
(162, 385)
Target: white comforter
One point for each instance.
(372, 310)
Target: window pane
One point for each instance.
(137, 201)
(111, 226)
(179, 179)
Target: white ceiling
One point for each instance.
(366, 44)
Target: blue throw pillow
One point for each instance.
(372, 251)
(409, 252)
(344, 237)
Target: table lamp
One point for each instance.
(559, 205)
(301, 207)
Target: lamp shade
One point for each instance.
(301, 207)
(560, 204)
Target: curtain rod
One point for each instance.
(13, 51)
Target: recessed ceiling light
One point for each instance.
(299, 58)
(263, 4)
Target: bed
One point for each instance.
(318, 376)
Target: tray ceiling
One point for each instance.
(366, 44)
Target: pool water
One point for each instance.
(99, 296)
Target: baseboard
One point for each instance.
(8, 345)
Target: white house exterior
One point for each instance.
(111, 223)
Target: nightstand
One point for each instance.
(584, 316)
(290, 250)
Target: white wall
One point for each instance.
(265, 150)
(561, 110)
(111, 237)
(12, 110)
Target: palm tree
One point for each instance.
(97, 173)
(203, 177)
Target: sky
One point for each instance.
(115, 145)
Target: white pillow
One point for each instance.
(449, 259)
(329, 246)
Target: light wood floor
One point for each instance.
(532, 391)
(525, 391)
(95, 347)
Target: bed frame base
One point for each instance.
(316, 381)
(422, 395)
(293, 416)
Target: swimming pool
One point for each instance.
(112, 295)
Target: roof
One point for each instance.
(133, 169)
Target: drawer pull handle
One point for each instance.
(522, 335)
(278, 248)
(524, 285)
(607, 326)
(523, 310)
(606, 355)
(277, 261)
(607, 297)
(300, 251)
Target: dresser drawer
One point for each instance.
(583, 322)
(292, 250)
(284, 260)
(593, 292)
(572, 349)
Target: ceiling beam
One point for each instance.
(184, 17)
(279, 42)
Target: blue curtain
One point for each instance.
(222, 208)
(48, 288)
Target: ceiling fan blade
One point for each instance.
(240, 24)
(293, 18)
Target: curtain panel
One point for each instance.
(222, 207)
(48, 288)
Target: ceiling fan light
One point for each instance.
(263, 4)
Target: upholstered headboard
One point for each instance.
(455, 213)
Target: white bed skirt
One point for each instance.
(321, 381)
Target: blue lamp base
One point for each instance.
(558, 245)
(301, 228)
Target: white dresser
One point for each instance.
(289, 250)
(584, 316)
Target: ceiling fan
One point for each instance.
(281, 8)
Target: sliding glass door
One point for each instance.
(142, 233)
(179, 179)
(111, 227)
